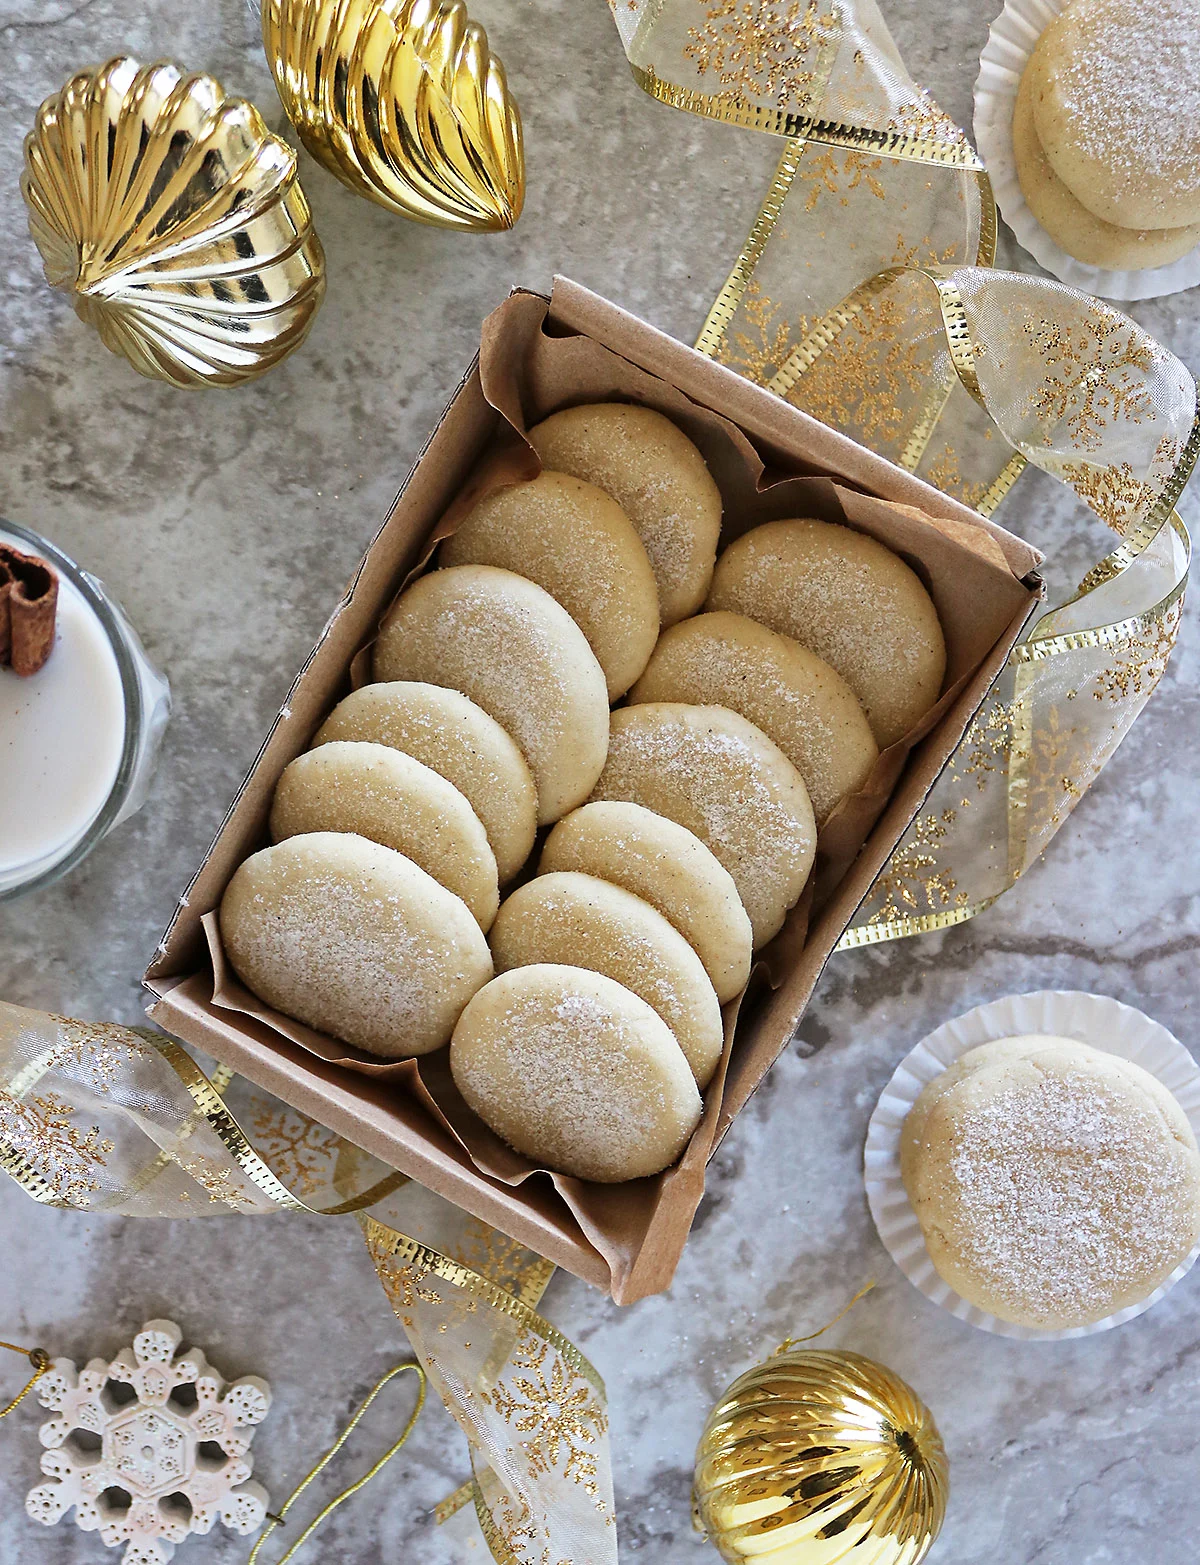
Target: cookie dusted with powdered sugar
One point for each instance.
(723, 779)
(1115, 86)
(355, 940)
(383, 794)
(849, 599)
(504, 643)
(1055, 1184)
(576, 542)
(668, 866)
(577, 1072)
(458, 739)
(1069, 223)
(585, 922)
(658, 478)
(794, 696)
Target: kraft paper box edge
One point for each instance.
(358, 1109)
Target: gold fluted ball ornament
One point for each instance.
(174, 219)
(821, 1458)
(405, 103)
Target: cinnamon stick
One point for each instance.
(28, 606)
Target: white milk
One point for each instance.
(62, 734)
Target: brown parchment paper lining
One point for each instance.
(528, 369)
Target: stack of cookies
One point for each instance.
(1107, 150)
(584, 1011)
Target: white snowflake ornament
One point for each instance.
(150, 1448)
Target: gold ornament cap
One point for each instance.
(174, 219)
(821, 1458)
(405, 103)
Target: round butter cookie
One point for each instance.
(1054, 1184)
(461, 743)
(669, 867)
(577, 920)
(723, 779)
(781, 687)
(658, 478)
(381, 793)
(355, 940)
(504, 642)
(576, 1072)
(576, 542)
(850, 600)
(1115, 86)
(1069, 223)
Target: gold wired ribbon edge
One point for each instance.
(1042, 641)
(730, 109)
(384, 1240)
(210, 1108)
(392, 1245)
(964, 352)
(725, 306)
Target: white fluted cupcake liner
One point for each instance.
(1010, 43)
(1090, 1018)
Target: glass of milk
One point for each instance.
(79, 739)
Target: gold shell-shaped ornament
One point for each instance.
(405, 103)
(173, 217)
(821, 1458)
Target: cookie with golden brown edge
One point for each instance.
(576, 1072)
(355, 940)
(848, 598)
(503, 642)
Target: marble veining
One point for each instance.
(227, 525)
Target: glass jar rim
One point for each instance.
(92, 591)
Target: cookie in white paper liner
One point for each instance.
(1107, 1025)
(1010, 43)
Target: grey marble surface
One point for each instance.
(227, 525)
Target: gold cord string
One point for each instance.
(277, 1519)
(40, 1360)
(790, 1342)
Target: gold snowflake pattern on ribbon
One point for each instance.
(107, 1118)
(42, 1132)
(767, 50)
(532, 1407)
(865, 295)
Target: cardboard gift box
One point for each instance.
(770, 461)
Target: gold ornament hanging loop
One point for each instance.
(405, 103)
(277, 1519)
(789, 1343)
(40, 1360)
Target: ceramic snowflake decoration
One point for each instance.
(150, 1447)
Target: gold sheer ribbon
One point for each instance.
(958, 373)
(104, 1118)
